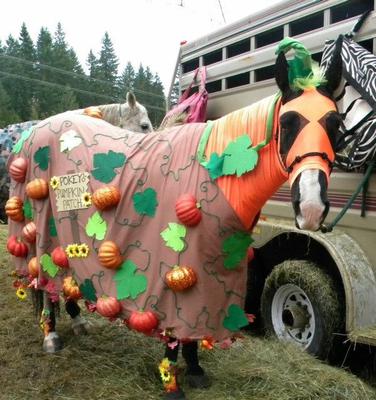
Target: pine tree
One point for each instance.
(93, 85)
(108, 67)
(7, 115)
(126, 80)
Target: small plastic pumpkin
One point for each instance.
(17, 169)
(106, 197)
(187, 210)
(180, 278)
(37, 189)
(143, 321)
(29, 232)
(109, 307)
(59, 257)
(20, 249)
(11, 242)
(109, 255)
(14, 209)
(33, 267)
(71, 289)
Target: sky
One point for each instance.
(142, 31)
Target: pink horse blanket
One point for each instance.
(76, 155)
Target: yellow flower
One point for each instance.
(71, 250)
(54, 182)
(83, 250)
(86, 199)
(21, 293)
(164, 370)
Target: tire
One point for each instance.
(301, 304)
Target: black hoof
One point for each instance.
(197, 381)
(177, 395)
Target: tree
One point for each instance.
(126, 80)
(7, 115)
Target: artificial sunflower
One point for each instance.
(54, 182)
(164, 370)
(71, 250)
(86, 199)
(83, 250)
(21, 293)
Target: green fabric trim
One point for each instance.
(203, 142)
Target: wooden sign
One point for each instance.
(70, 191)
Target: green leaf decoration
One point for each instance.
(28, 210)
(68, 141)
(215, 165)
(88, 290)
(42, 157)
(104, 165)
(174, 235)
(128, 283)
(235, 248)
(48, 265)
(24, 136)
(52, 227)
(240, 158)
(96, 226)
(145, 203)
(235, 318)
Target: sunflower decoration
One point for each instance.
(86, 199)
(21, 293)
(72, 250)
(54, 182)
(164, 370)
(83, 250)
(207, 343)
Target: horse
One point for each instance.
(154, 229)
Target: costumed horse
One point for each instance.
(154, 229)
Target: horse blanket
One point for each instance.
(76, 155)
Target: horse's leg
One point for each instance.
(168, 371)
(195, 375)
(52, 341)
(80, 325)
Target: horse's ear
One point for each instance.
(333, 74)
(282, 73)
(131, 99)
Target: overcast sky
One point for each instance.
(142, 31)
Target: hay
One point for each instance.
(113, 363)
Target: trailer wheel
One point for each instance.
(300, 304)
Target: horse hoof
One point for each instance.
(80, 326)
(197, 381)
(177, 395)
(52, 343)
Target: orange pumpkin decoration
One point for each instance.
(59, 257)
(180, 278)
(108, 306)
(18, 168)
(143, 321)
(109, 255)
(71, 289)
(33, 267)
(29, 232)
(187, 210)
(37, 189)
(14, 209)
(94, 112)
(106, 197)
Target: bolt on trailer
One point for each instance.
(308, 288)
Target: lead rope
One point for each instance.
(362, 185)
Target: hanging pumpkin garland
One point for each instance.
(108, 307)
(33, 267)
(29, 232)
(71, 289)
(180, 278)
(109, 255)
(59, 257)
(18, 168)
(37, 189)
(14, 209)
(188, 210)
(143, 321)
(106, 197)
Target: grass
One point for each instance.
(116, 364)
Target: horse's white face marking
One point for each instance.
(311, 206)
(135, 118)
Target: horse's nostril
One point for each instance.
(144, 127)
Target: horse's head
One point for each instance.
(309, 125)
(134, 116)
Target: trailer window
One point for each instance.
(350, 9)
(237, 80)
(215, 86)
(307, 24)
(238, 48)
(190, 65)
(269, 37)
(212, 57)
(262, 74)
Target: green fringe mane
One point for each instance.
(315, 79)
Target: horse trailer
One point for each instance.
(305, 287)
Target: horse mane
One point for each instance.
(314, 80)
(113, 112)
